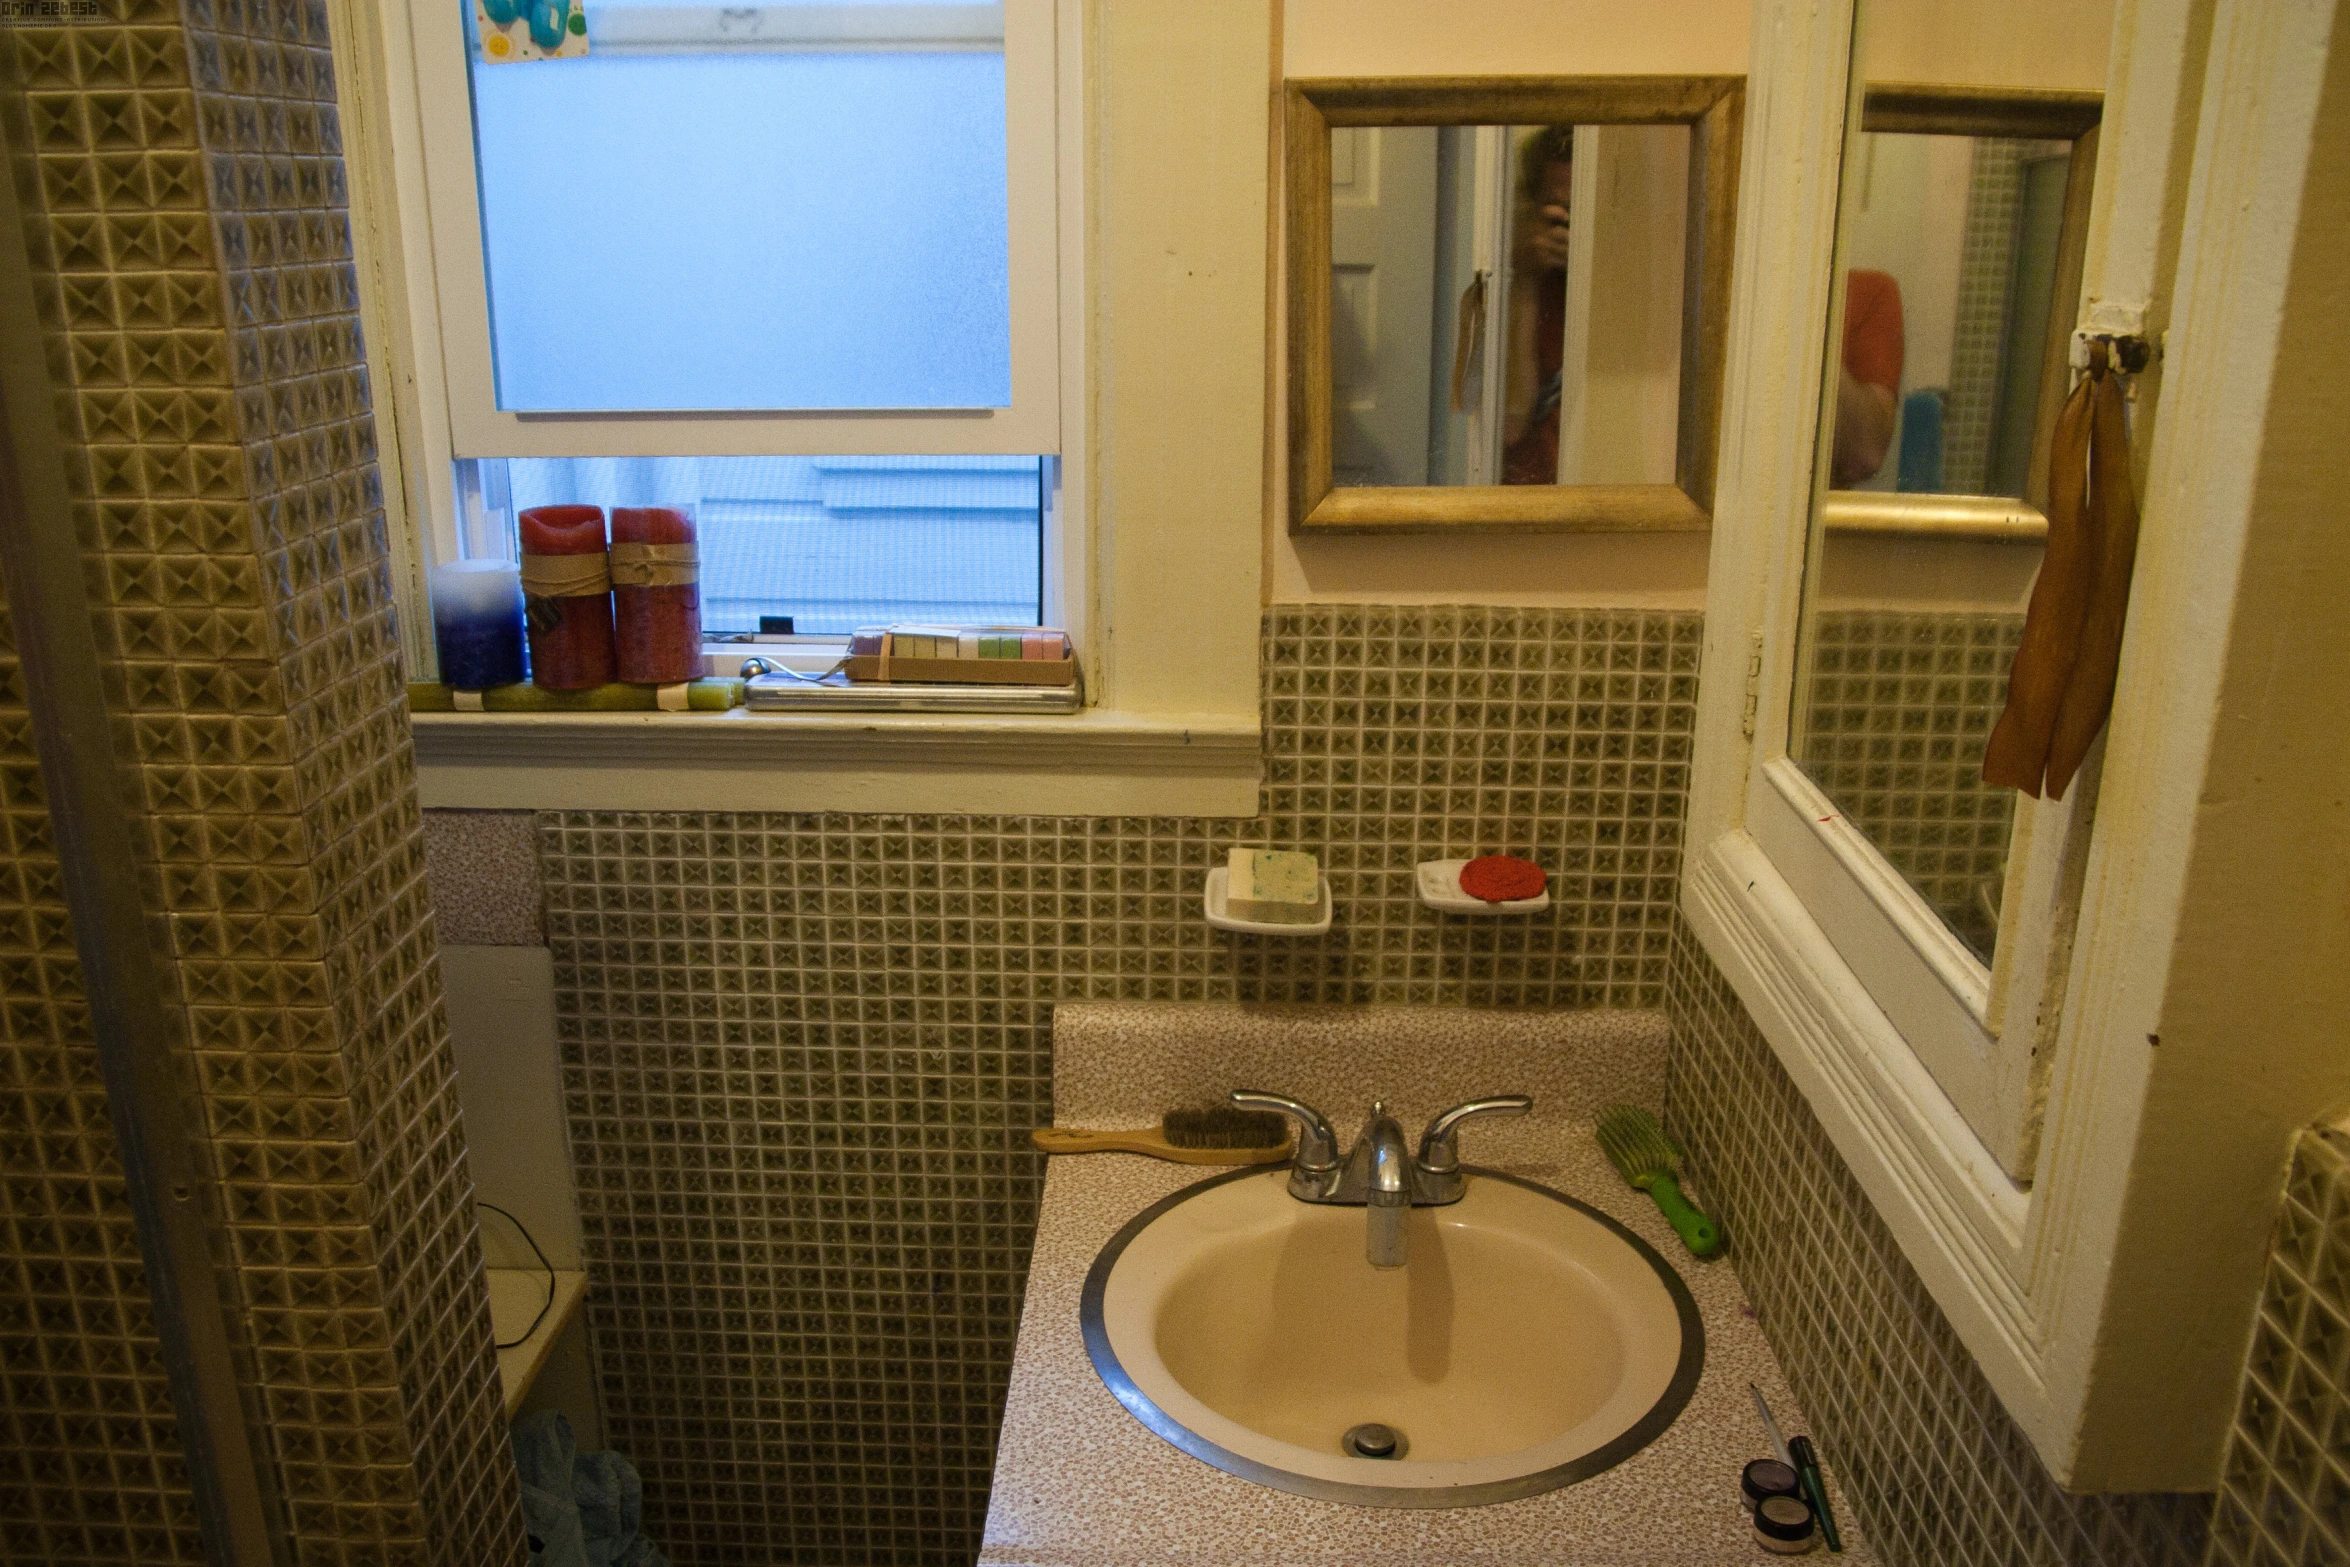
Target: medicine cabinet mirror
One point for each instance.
(1962, 226)
(2068, 1083)
(1965, 214)
(1507, 299)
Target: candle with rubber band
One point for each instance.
(656, 594)
(567, 587)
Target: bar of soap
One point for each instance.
(1274, 887)
(1501, 878)
(913, 641)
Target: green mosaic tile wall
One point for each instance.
(802, 1053)
(1901, 704)
(1939, 1472)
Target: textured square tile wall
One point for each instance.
(1940, 1474)
(2285, 1484)
(1986, 279)
(179, 175)
(90, 1464)
(802, 1053)
(1900, 706)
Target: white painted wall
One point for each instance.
(1891, 571)
(1180, 101)
(2061, 44)
(509, 1084)
(1910, 221)
(1512, 38)
(501, 1004)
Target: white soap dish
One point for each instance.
(1219, 901)
(1440, 888)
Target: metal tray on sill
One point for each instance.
(774, 693)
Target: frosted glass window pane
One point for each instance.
(746, 228)
(834, 542)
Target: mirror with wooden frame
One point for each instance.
(1507, 299)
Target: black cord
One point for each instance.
(549, 1303)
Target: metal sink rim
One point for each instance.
(1607, 1455)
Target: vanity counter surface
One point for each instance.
(1079, 1481)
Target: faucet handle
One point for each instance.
(1317, 1145)
(1440, 1145)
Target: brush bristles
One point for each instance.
(1635, 1143)
(1225, 1126)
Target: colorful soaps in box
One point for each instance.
(962, 655)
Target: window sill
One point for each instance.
(1096, 763)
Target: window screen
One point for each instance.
(834, 542)
(786, 206)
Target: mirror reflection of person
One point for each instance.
(1537, 307)
(1868, 387)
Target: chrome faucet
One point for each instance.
(1387, 1186)
(1380, 1175)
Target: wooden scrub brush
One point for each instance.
(1219, 1134)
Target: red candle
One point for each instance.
(567, 589)
(656, 594)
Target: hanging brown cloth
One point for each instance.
(2113, 515)
(2060, 688)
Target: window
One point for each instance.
(1135, 194)
(782, 207)
(720, 249)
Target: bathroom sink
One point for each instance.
(1528, 1342)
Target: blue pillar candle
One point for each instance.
(477, 623)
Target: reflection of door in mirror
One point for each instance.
(1506, 303)
(1383, 246)
(1619, 390)
(1959, 250)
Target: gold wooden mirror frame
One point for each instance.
(1712, 106)
(1923, 109)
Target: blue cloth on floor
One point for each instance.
(582, 1509)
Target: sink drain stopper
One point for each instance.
(1373, 1440)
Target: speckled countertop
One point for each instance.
(1079, 1481)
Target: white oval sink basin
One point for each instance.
(1528, 1341)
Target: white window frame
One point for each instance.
(460, 341)
(448, 292)
(2107, 1296)
(1153, 548)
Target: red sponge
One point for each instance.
(1499, 878)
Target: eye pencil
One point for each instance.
(1807, 1469)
